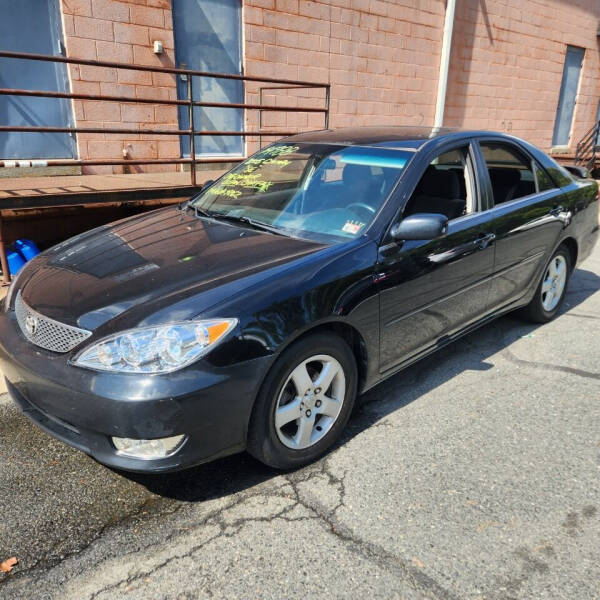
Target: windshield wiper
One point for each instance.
(183, 207)
(219, 216)
(244, 220)
(200, 212)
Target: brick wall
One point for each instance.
(123, 32)
(381, 58)
(507, 62)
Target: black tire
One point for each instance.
(535, 310)
(263, 440)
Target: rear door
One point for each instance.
(525, 213)
(432, 288)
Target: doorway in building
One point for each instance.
(34, 27)
(568, 96)
(208, 38)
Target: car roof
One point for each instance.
(396, 137)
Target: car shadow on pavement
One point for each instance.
(236, 473)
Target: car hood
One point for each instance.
(98, 275)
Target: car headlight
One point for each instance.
(159, 349)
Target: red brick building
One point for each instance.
(382, 58)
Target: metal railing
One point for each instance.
(72, 199)
(587, 148)
(188, 102)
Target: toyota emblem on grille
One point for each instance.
(31, 324)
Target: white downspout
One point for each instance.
(440, 104)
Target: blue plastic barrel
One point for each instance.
(27, 248)
(15, 261)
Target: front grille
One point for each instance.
(45, 332)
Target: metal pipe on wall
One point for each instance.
(440, 104)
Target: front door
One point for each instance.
(432, 288)
(208, 38)
(34, 27)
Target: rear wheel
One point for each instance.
(304, 403)
(552, 288)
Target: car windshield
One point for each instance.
(319, 191)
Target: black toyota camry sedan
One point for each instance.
(251, 316)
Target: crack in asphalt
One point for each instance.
(317, 511)
(411, 574)
(225, 530)
(172, 508)
(501, 346)
(543, 366)
(581, 316)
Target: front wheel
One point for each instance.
(552, 288)
(304, 403)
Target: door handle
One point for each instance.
(555, 212)
(484, 240)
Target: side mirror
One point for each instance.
(580, 172)
(420, 226)
(207, 184)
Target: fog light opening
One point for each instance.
(148, 449)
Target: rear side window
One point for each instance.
(543, 179)
(510, 171)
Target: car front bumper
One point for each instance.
(84, 408)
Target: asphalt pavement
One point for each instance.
(474, 474)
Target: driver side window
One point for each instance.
(446, 187)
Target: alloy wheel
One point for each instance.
(310, 401)
(554, 282)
